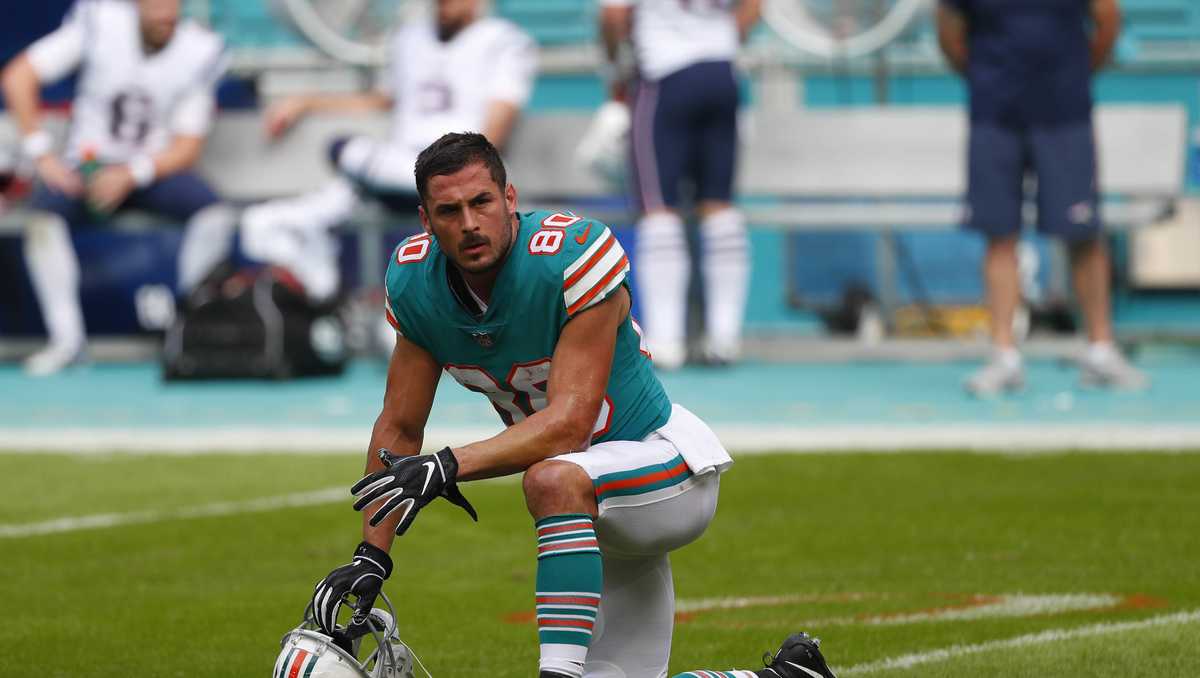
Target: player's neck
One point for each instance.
(149, 48)
(481, 284)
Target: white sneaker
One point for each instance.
(997, 376)
(669, 356)
(722, 353)
(53, 359)
(1109, 369)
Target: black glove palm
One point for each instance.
(410, 484)
(363, 577)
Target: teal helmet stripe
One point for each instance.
(283, 667)
(312, 664)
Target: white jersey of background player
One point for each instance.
(143, 105)
(684, 132)
(455, 72)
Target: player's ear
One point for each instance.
(424, 219)
(510, 198)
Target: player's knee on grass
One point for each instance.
(557, 487)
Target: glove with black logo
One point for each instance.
(408, 484)
(363, 577)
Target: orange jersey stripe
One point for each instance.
(578, 275)
(583, 301)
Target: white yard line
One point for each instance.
(1043, 638)
(740, 438)
(224, 508)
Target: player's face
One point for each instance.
(471, 216)
(158, 19)
(454, 15)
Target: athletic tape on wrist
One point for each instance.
(36, 144)
(142, 169)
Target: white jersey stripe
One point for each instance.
(587, 254)
(611, 259)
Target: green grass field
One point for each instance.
(880, 555)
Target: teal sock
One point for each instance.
(569, 580)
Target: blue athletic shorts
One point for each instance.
(178, 197)
(685, 130)
(1063, 160)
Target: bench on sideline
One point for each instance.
(862, 168)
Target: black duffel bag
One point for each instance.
(253, 323)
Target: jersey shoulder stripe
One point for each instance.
(599, 270)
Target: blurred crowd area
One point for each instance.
(807, 282)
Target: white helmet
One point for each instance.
(604, 148)
(308, 653)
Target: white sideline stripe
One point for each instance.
(740, 602)
(1018, 439)
(1003, 605)
(1045, 637)
(224, 508)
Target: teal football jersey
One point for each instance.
(559, 265)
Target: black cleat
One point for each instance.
(799, 657)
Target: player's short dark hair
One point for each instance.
(455, 151)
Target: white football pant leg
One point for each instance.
(295, 233)
(632, 637)
(206, 242)
(662, 280)
(726, 269)
(54, 272)
(381, 166)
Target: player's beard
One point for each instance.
(505, 244)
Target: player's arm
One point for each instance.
(400, 428)
(112, 184)
(616, 25)
(281, 116)
(499, 120)
(747, 14)
(578, 380)
(952, 35)
(411, 382)
(514, 69)
(47, 60)
(1106, 20)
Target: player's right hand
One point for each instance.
(280, 116)
(363, 576)
(59, 176)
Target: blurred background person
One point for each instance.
(458, 72)
(143, 106)
(1028, 66)
(684, 135)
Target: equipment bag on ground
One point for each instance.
(253, 323)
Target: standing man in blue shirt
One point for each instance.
(1028, 66)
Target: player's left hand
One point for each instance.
(109, 187)
(409, 484)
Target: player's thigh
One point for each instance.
(1064, 159)
(179, 196)
(648, 501)
(718, 139)
(661, 136)
(44, 199)
(632, 636)
(996, 164)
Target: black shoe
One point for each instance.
(800, 657)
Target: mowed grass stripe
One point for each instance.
(909, 661)
(222, 508)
